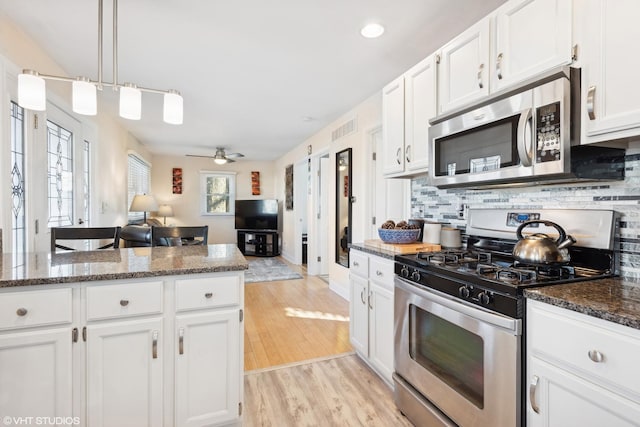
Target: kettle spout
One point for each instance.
(566, 242)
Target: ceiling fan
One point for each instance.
(221, 157)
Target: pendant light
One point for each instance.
(32, 90)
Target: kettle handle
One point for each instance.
(561, 231)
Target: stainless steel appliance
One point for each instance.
(525, 135)
(459, 315)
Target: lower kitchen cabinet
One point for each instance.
(581, 370)
(371, 310)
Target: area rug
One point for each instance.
(268, 270)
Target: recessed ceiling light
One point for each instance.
(371, 31)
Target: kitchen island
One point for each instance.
(137, 336)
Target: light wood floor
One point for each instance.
(341, 391)
(293, 320)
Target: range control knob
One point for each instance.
(404, 272)
(464, 292)
(484, 298)
(415, 276)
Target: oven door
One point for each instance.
(464, 360)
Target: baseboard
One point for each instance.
(288, 257)
(339, 288)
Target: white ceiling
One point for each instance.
(250, 71)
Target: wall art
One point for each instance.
(288, 188)
(255, 183)
(177, 180)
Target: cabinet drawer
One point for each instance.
(207, 292)
(381, 271)
(573, 338)
(123, 300)
(35, 308)
(358, 263)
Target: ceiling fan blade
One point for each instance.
(230, 160)
(235, 155)
(196, 155)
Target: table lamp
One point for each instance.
(143, 203)
(165, 211)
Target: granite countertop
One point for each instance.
(112, 264)
(373, 250)
(615, 299)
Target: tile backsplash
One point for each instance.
(450, 205)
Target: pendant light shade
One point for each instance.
(84, 97)
(130, 102)
(32, 93)
(172, 112)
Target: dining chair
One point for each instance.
(179, 236)
(84, 233)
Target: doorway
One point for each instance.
(318, 215)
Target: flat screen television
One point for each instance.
(256, 214)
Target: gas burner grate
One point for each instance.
(507, 274)
(455, 257)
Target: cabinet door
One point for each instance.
(393, 126)
(532, 36)
(381, 330)
(208, 371)
(463, 74)
(124, 374)
(36, 377)
(563, 399)
(420, 106)
(359, 314)
(610, 69)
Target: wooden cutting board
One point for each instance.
(402, 248)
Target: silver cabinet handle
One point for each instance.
(355, 264)
(591, 95)
(378, 273)
(181, 341)
(74, 335)
(532, 394)
(154, 344)
(208, 295)
(398, 156)
(407, 153)
(362, 296)
(370, 304)
(480, 69)
(21, 311)
(124, 302)
(596, 356)
(499, 66)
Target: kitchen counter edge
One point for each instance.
(614, 299)
(373, 251)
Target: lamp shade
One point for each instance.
(165, 210)
(143, 203)
(32, 92)
(84, 98)
(130, 102)
(172, 112)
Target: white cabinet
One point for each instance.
(463, 72)
(610, 88)
(531, 36)
(371, 311)
(36, 367)
(408, 103)
(580, 370)
(124, 373)
(520, 40)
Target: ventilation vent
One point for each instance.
(346, 129)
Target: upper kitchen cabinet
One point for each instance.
(463, 68)
(531, 36)
(408, 103)
(520, 40)
(610, 89)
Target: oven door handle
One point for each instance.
(524, 138)
(507, 323)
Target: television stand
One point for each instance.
(259, 242)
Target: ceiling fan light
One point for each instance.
(173, 108)
(130, 102)
(220, 161)
(84, 97)
(32, 92)
(372, 31)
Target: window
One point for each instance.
(218, 193)
(139, 182)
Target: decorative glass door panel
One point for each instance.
(59, 175)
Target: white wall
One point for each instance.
(186, 206)
(369, 115)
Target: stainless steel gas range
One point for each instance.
(459, 315)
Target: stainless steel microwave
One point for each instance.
(525, 136)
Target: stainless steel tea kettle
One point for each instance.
(538, 248)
